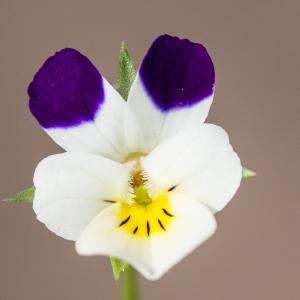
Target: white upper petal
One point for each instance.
(146, 125)
(152, 256)
(71, 187)
(200, 163)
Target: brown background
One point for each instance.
(255, 46)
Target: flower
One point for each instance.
(140, 180)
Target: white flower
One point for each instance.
(141, 179)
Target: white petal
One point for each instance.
(71, 187)
(104, 135)
(200, 163)
(152, 256)
(218, 183)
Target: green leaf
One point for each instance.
(246, 173)
(24, 196)
(118, 266)
(126, 72)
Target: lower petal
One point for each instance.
(152, 255)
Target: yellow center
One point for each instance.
(144, 218)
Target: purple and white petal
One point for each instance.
(172, 91)
(76, 106)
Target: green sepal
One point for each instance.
(118, 266)
(126, 75)
(126, 72)
(24, 196)
(246, 173)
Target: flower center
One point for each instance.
(146, 215)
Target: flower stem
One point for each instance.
(129, 285)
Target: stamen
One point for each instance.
(109, 201)
(172, 188)
(124, 222)
(167, 213)
(161, 225)
(148, 228)
(137, 179)
(135, 229)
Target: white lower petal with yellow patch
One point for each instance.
(154, 248)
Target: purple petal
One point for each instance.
(66, 91)
(177, 73)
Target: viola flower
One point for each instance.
(140, 180)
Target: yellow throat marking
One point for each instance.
(144, 218)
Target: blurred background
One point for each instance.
(254, 254)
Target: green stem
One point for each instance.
(129, 285)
